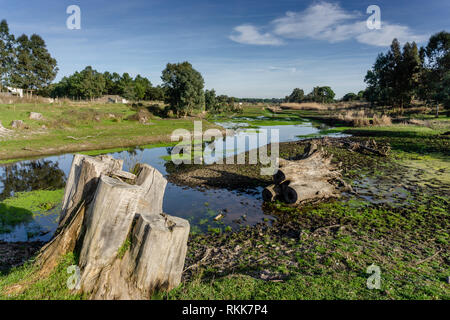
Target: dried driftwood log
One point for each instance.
(311, 178)
(127, 247)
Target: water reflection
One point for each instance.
(29, 176)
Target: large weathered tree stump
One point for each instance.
(311, 178)
(113, 219)
(80, 189)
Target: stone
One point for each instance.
(36, 116)
(18, 124)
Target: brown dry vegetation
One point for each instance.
(353, 113)
(306, 106)
(363, 118)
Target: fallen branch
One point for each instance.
(195, 265)
(83, 138)
(429, 258)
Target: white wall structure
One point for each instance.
(16, 91)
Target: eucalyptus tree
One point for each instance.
(435, 81)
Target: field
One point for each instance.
(71, 127)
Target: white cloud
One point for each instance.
(329, 22)
(289, 69)
(312, 22)
(384, 36)
(249, 34)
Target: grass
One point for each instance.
(399, 130)
(82, 127)
(310, 260)
(21, 283)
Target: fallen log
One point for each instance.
(295, 193)
(311, 178)
(271, 192)
(127, 247)
(314, 165)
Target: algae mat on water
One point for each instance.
(26, 205)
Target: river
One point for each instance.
(197, 205)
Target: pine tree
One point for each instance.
(6, 53)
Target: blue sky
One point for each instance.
(242, 48)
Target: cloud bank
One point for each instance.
(324, 21)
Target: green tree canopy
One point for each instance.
(210, 99)
(350, 97)
(395, 76)
(6, 53)
(86, 84)
(33, 66)
(297, 95)
(184, 88)
(436, 73)
(321, 94)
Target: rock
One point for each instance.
(36, 116)
(18, 124)
(3, 130)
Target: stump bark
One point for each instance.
(113, 219)
(310, 178)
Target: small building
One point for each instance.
(15, 91)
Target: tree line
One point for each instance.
(25, 61)
(403, 74)
(91, 84)
(399, 76)
(318, 94)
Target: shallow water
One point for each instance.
(198, 206)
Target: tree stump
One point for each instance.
(153, 182)
(127, 247)
(80, 189)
